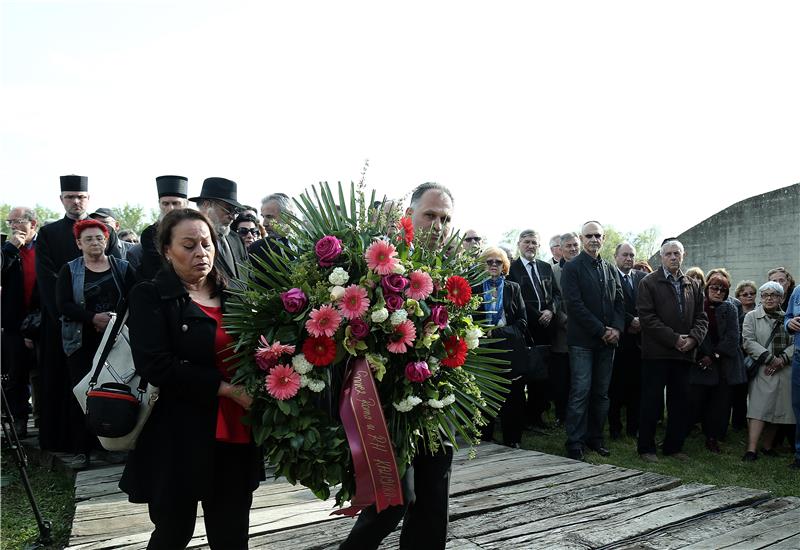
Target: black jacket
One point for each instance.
(725, 344)
(12, 304)
(591, 307)
(172, 341)
(516, 329)
(629, 293)
(151, 259)
(518, 273)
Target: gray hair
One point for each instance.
(423, 188)
(284, 203)
(569, 236)
(673, 242)
(27, 213)
(555, 240)
(771, 285)
(528, 233)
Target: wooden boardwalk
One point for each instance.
(503, 499)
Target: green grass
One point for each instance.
(726, 468)
(54, 492)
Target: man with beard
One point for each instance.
(427, 479)
(55, 247)
(172, 193)
(273, 207)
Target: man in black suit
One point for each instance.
(626, 381)
(542, 297)
(172, 193)
(273, 208)
(217, 200)
(593, 295)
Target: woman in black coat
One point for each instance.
(505, 309)
(720, 362)
(193, 447)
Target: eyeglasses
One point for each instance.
(747, 294)
(595, 235)
(716, 288)
(473, 239)
(244, 231)
(494, 262)
(770, 297)
(228, 208)
(17, 221)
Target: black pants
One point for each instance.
(17, 363)
(656, 375)
(425, 523)
(512, 415)
(710, 405)
(739, 406)
(559, 383)
(625, 391)
(226, 510)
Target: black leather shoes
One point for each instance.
(576, 454)
(602, 451)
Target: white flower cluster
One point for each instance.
(336, 293)
(339, 276)
(380, 315)
(399, 269)
(301, 364)
(441, 403)
(398, 317)
(472, 337)
(312, 384)
(407, 404)
(433, 364)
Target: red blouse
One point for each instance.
(229, 414)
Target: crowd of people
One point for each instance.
(629, 345)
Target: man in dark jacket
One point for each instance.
(673, 324)
(172, 193)
(594, 301)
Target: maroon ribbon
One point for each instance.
(377, 478)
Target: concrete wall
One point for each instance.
(748, 238)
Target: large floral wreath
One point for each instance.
(355, 284)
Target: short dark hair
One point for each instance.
(243, 218)
(88, 223)
(421, 189)
(164, 239)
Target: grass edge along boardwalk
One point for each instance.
(504, 498)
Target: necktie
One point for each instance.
(628, 281)
(537, 286)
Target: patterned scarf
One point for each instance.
(782, 339)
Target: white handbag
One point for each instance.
(117, 367)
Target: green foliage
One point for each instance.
(133, 216)
(645, 242)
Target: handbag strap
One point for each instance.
(772, 334)
(112, 338)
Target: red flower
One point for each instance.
(319, 350)
(456, 350)
(406, 229)
(458, 290)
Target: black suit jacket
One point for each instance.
(552, 297)
(629, 297)
(591, 307)
(232, 271)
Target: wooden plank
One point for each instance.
(792, 543)
(621, 520)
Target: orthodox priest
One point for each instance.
(172, 193)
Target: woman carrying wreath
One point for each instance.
(194, 447)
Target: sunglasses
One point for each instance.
(473, 239)
(595, 235)
(494, 262)
(244, 231)
(747, 294)
(716, 288)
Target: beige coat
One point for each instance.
(770, 397)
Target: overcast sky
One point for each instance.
(540, 114)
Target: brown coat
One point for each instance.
(661, 319)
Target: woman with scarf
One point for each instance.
(767, 341)
(505, 310)
(720, 364)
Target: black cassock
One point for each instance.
(55, 246)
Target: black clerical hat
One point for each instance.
(74, 183)
(218, 189)
(172, 186)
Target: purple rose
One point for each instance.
(359, 329)
(394, 302)
(418, 371)
(439, 316)
(394, 283)
(328, 248)
(294, 300)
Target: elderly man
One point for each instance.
(542, 297)
(673, 323)
(272, 208)
(555, 249)
(20, 298)
(217, 200)
(428, 477)
(559, 356)
(596, 320)
(172, 194)
(626, 381)
(472, 241)
(570, 248)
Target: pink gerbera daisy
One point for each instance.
(381, 257)
(323, 321)
(354, 303)
(282, 382)
(420, 285)
(268, 355)
(403, 336)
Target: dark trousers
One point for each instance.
(226, 510)
(17, 363)
(739, 406)
(625, 391)
(710, 405)
(559, 383)
(56, 396)
(425, 523)
(512, 415)
(656, 375)
(82, 440)
(587, 408)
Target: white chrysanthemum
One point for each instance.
(435, 404)
(433, 364)
(399, 269)
(304, 380)
(449, 400)
(336, 292)
(339, 276)
(301, 364)
(316, 385)
(398, 317)
(474, 332)
(407, 404)
(380, 315)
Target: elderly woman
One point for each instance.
(781, 276)
(720, 364)
(746, 294)
(504, 309)
(767, 341)
(194, 447)
(88, 290)
(248, 229)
